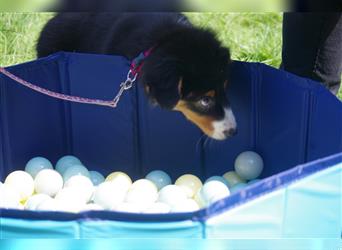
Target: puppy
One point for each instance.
(186, 70)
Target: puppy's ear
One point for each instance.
(162, 83)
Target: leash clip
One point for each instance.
(129, 80)
(127, 84)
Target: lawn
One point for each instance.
(252, 37)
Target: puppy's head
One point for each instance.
(187, 72)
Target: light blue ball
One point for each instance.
(96, 177)
(75, 170)
(65, 162)
(253, 181)
(217, 178)
(249, 165)
(159, 178)
(37, 164)
(237, 187)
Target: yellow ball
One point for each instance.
(189, 183)
(120, 178)
(232, 178)
(22, 182)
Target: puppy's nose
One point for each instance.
(230, 132)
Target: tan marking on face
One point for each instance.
(210, 93)
(203, 122)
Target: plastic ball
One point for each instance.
(91, 207)
(9, 197)
(33, 202)
(120, 178)
(217, 178)
(48, 205)
(83, 185)
(70, 206)
(189, 205)
(141, 199)
(22, 182)
(172, 195)
(249, 165)
(70, 196)
(37, 164)
(143, 193)
(75, 170)
(232, 178)
(253, 181)
(48, 182)
(144, 185)
(190, 183)
(158, 208)
(213, 191)
(96, 177)
(127, 208)
(199, 200)
(21, 207)
(65, 162)
(159, 178)
(108, 195)
(238, 187)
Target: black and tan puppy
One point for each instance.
(186, 70)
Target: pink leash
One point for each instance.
(127, 84)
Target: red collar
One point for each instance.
(137, 62)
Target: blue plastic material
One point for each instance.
(288, 120)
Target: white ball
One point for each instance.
(48, 182)
(22, 182)
(83, 185)
(189, 205)
(91, 207)
(190, 183)
(144, 185)
(109, 195)
(48, 205)
(21, 207)
(172, 195)
(143, 193)
(33, 202)
(140, 198)
(70, 207)
(127, 208)
(9, 197)
(70, 195)
(213, 191)
(158, 208)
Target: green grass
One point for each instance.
(18, 36)
(252, 37)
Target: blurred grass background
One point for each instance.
(252, 37)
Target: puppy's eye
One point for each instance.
(206, 101)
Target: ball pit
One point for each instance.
(277, 115)
(81, 189)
